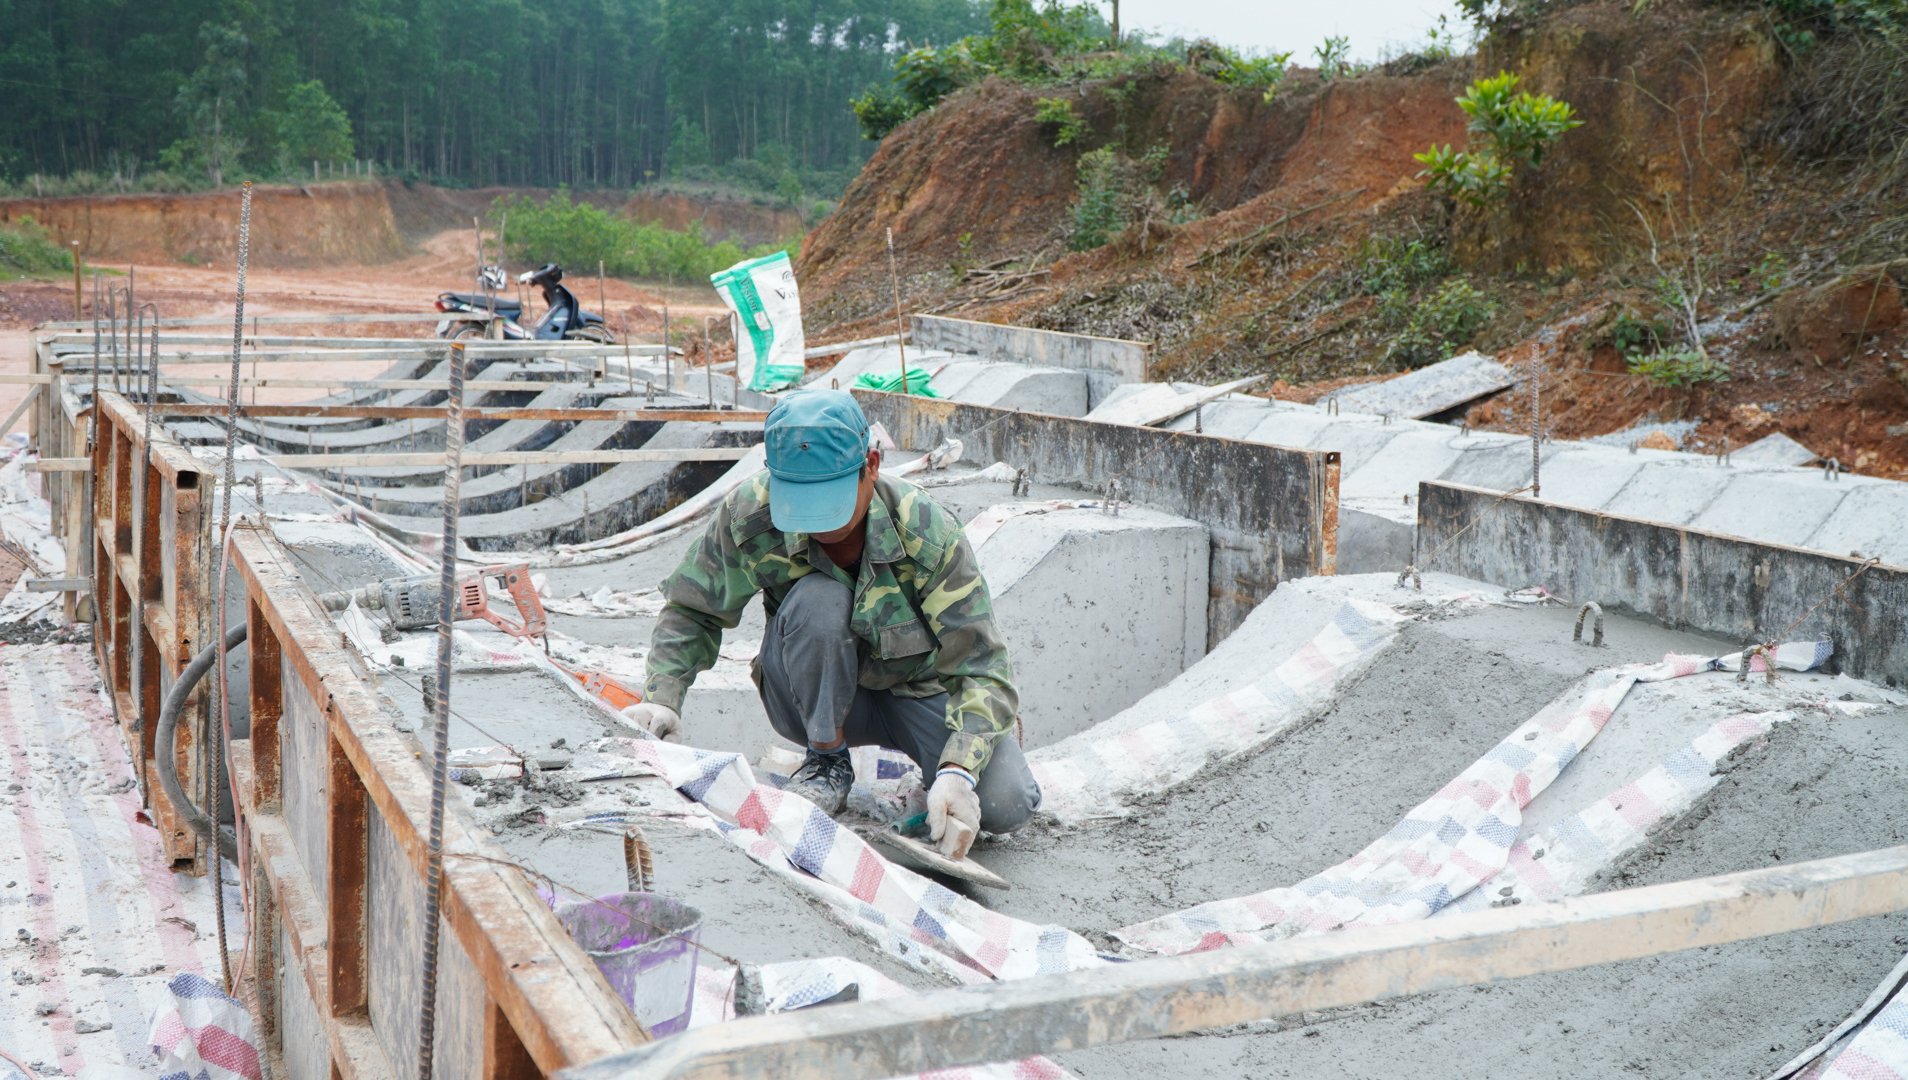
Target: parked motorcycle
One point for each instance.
(488, 315)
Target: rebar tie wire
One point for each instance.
(440, 706)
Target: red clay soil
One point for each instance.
(1677, 100)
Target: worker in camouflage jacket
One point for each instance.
(880, 630)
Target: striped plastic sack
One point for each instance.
(933, 916)
(1093, 775)
(1450, 844)
(1871, 1044)
(202, 1033)
(1561, 860)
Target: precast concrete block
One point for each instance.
(1777, 507)
(1672, 491)
(1503, 467)
(1580, 474)
(1291, 427)
(1872, 519)
(1357, 439)
(1054, 391)
(1229, 418)
(1419, 452)
(1097, 610)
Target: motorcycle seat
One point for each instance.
(509, 309)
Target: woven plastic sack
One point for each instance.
(769, 348)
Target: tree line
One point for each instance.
(584, 93)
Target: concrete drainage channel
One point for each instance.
(1313, 805)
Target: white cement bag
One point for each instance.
(770, 345)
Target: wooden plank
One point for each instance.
(549, 990)
(83, 342)
(18, 410)
(508, 457)
(434, 412)
(345, 851)
(172, 460)
(473, 386)
(354, 1048)
(504, 1055)
(268, 704)
(1153, 998)
(80, 360)
(294, 319)
(24, 378)
(58, 584)
(164, 633)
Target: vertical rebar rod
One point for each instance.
(899, 333)
(669, 365)
(1536, 428)
(708, 358)
(735, 373)
(138, 659)
(131, 305)
(440, 705)
(216, 741)
(152, 398)
(79, 307)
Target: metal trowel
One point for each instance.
(908, 839)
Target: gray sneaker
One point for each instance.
(824, 779)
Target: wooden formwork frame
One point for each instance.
(135, 519)
(544, 1005)
(146, 543)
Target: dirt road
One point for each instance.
(445, 263)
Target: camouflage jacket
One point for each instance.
(921, 610)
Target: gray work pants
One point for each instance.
(807, 675)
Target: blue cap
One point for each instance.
(817, 442)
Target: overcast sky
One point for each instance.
(1295, 25)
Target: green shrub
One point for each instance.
(1388, 263)
(1059, 115)
(27, 251)
(1264, 73)
(928, 74)
(1477, 178)
(578, 236)
(1507, 126)
(1631, 335)
(1679, 367)
(1518, 124)
(1440, 324)
(1026, 42)
(1100, 210)
(1331, 56)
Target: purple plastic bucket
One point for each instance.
(645, 944)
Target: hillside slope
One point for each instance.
(1312, 251)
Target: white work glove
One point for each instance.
(953, 811)
(659, 720)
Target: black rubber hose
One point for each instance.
(168, 732)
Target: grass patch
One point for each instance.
(27, 251)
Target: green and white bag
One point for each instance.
(762, 294)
